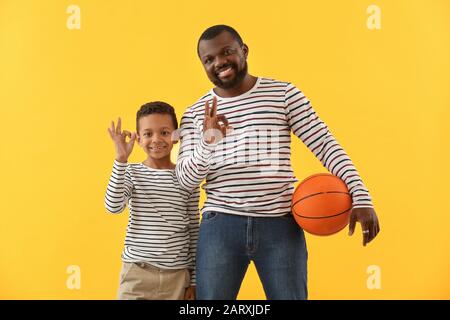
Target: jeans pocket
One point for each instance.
(209, 216)
(287, 217)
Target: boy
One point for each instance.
(158, 260)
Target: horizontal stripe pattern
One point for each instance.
(163, 221)
(249, 172)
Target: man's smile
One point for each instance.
(224, 73)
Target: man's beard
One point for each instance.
(240, 75)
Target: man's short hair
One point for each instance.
(214, 31)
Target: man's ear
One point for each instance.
(245, 50)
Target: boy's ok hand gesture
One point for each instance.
(123, 148)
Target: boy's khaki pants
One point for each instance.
(141, 281)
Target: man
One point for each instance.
(237, 136)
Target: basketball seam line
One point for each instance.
(323, 217)
(315, 194)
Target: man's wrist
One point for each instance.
(208, 145)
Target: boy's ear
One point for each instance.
(175, 136)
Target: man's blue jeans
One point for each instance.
(228, 242)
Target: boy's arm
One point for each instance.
(120, 184)
(195, 155)
(194, 221)
(305, 124)
(119, 188)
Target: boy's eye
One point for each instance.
(165, 133)
(208, 60)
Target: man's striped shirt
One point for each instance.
(163, 221)
(249, 171)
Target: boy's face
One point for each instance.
(155, 135)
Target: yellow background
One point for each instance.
(383, 93)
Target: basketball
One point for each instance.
(321, 204)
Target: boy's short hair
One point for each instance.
(156, 107)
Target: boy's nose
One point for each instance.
(156, 138)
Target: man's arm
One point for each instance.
(314, 133)
(197, 145)
(194, 156)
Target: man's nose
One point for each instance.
(220, 62)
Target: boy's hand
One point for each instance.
(189, 293)
(215, 126)
(123, 148)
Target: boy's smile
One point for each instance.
(158, 149)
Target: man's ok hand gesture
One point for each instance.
(215, 126)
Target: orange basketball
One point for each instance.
(321, 204)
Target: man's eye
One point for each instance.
(207, 61)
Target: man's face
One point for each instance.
(224, 60)
(155, 135)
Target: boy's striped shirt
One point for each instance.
(163, 221)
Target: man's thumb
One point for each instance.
(352, 224)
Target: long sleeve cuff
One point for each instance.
(362, 198)
(204, 150)
(120, 165)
